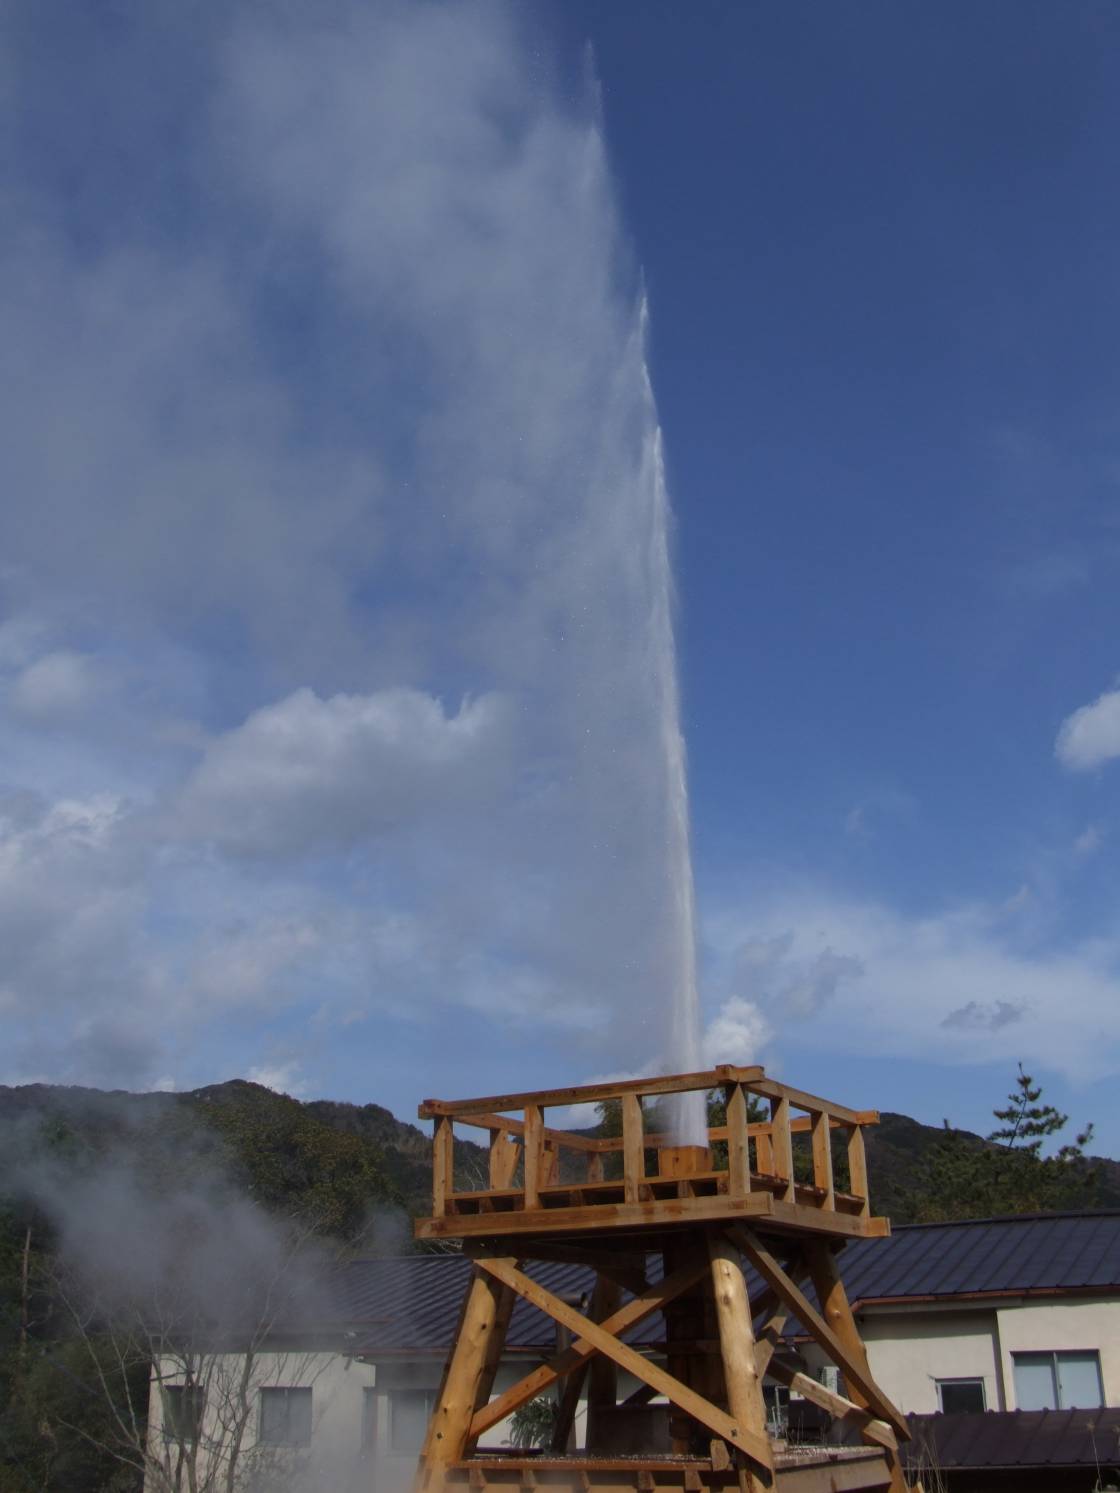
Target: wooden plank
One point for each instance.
(852, 1363)
(533, 1138)
(822, 1160)
(738, 1149)
(515, 1126)
(443, 1165)
(811, 1102)
(781, 1145)
(633, 1148)
(837, 1406)
(756, 1447)
(635, 1311)
(504, 1155)
(679, 1083)
(736, 1342)
(836, 1473)
(665, 1213)
(857, 1169)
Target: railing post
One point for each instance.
(782, 1146)
(857, 1169)
(443, 1165)
(633, 1151)
(503, 1159)
(594, 1166)
(738, 1145)
(822, 1158)
(534, 1154)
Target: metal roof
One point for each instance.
(411, 1304)
(1014, 1438)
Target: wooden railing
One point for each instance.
(533, 1166)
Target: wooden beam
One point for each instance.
(602, 1386)
(756, 1447)
(633, 1148)
(837, 1406)
(567, 1139)
(504, 1156)
(822, 1160)
(443, 1165)
(679, 1083)
(811, 1102)
(738, 1147)
(450, 1434)
(857, 1169)
(652, 1300)
(534, 1155)
(736, 1341)
(852, 1363)
(781, 1145)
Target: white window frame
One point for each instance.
(285, 1389)
(962, 1379)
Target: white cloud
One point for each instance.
(307, 774)
(739, 1033)
(1091, 735)
(282, 1078)
(955, 986)
(57, 685)
(1089, 841)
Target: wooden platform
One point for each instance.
(779, 1171)
(808, 1470)
(666, 1226)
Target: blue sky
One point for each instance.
(327, 744)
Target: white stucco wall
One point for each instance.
(1059, 1326)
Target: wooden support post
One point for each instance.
(736, 1341)
(763, 1149)
(595, 1166)
(738, 1146)
(443, 1165)
(602, 1388)
(534, 1154)
(857, 1169)
(822, 1160)
(633, 1151)
(449, 1435)
(837, 1312)
(782, 1146)
(504, 1153)
(718, 1421)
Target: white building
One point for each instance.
(998, 1315)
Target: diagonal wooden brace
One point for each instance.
(855, 1372)
(752, 1445)
(651, 1300)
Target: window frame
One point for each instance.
(287, 1390)
(958, 1379)
(171, 1422)
(1055, 1356)
(395, 1396)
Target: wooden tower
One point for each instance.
(665, 1229)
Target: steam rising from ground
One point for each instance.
(337, 675)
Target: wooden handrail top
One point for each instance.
(678, 1083)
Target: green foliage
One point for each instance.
(532, 1424)
(966, 1177)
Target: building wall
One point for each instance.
(910, 1350)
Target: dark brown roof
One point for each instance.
(411, 1304)
(1015, 1438)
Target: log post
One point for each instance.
(473, 1358)
(782, 1145)
(533, 1141)
(738, 1145)
(736, 1342)
(602, 1385)
(633, 1151)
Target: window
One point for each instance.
(961, 1396)
(369, 1422)
(285, 1417)
(1057, 1381)
(409, 1413)
(182, 1411)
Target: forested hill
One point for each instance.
(341, 1159)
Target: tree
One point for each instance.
(967, 1177)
